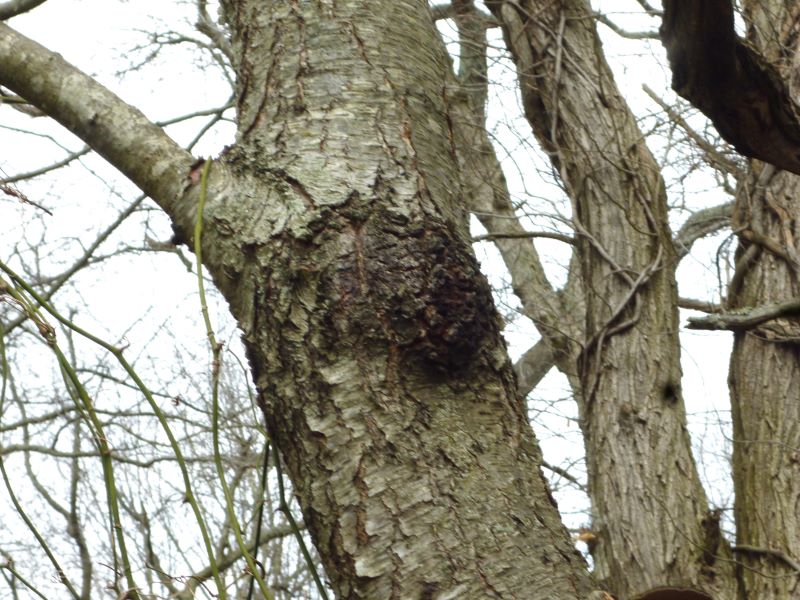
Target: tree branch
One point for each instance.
(746, 318)
(730, 83)
(533, 366)
(119, 132)
(702, 223)
(795, 566)
(711, 153)
(701, 305)
(42, 170)
(630, 35)
(565, 474)
(228, 560)
(12, 8)
(522, 235)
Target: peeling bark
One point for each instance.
(335, 227)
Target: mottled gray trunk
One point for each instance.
(342, 248)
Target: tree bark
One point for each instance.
(651, 519)
(765, 373)
(335, 228)
(371, 332)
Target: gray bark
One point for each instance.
(652, 524)
(765, 373)
(335, 228)
(749, 90)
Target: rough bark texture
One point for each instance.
(744, 96)
(652, 522)
(371, 332)
(765, 395)
(335, 227)
(765, 371)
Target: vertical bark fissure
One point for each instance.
(649, 506)
(765, 373)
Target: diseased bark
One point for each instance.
(370, 330)
(651, 518)
(748, 101)
(335, 228)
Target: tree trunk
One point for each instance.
(651, 519)
(336, 229)
(370, 330)
(765, 372)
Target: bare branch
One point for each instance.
(12, 8)
(565, 474)
(442, 11)
(746, 318)
(225, 562)
(117, 131)
(701, 305)
(42, 170)
(649, 9)
(769, 552)
(630, 35)
(208, 27)
(57, 282)
(702, 223)
(711, 153)
(533, 366)
(521, 235)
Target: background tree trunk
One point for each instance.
(642, 478)
(765, 374)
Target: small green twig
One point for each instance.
(23, 515)
(48, 333)
(262, 488)
(117, 353)
(9, 567)
(284, 508)
(216, 352)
